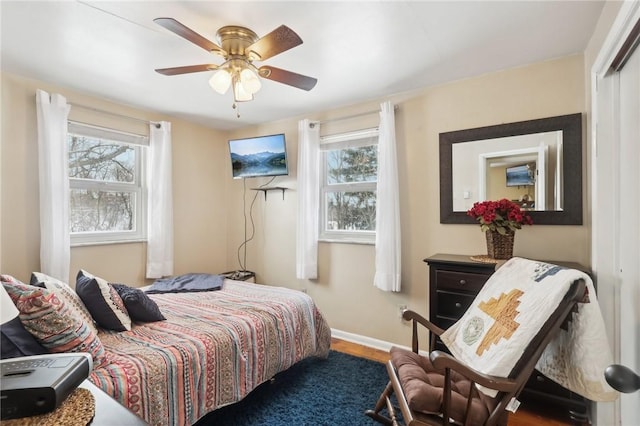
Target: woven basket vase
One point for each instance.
(500, 246)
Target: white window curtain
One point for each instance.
(55, 245)
(160, 202)
(308, 201)
(388, 266)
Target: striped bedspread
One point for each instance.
(214, 348)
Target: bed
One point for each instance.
(212, 350)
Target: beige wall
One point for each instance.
(199, 177)
(209, 223)
(344, 290)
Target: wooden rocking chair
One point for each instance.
(440, 390)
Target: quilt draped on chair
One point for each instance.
(510, 310)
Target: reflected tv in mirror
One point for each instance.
(258, 156)
(522, 175)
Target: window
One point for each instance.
(107, 198)
(348, 186)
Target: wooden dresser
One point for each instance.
(454, 282)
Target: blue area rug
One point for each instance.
(313, 392)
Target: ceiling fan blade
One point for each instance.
(190, 35)
(287, 77)
(187, 69)
(277, 41)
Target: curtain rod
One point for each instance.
(155, 123)
(349, 117)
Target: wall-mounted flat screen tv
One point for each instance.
(523, 175)
(258, 156)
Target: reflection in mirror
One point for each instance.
(536, 163)
(522, 168)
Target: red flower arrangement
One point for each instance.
(502, 216)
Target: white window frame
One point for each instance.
(139, 187)
(353, 139)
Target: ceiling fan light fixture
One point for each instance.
(250, 81)
(240, 94)
(220, 81)
(240, 46)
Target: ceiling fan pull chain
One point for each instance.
(237, 108)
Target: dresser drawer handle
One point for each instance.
(463, 282)
(458, 305)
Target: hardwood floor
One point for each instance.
(532, 416)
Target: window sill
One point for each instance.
(347, 241)
(105, 243)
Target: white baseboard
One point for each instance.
(362, 340)
(369, 342)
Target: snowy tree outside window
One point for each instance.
(107, 193)
(348, 186)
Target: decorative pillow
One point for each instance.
(139, 305)
(52, 323)
(5, 278)
(65, 293)
(16, 341)
(103, 301)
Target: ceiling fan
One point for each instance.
(240, 47)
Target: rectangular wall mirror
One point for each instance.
(537, 163)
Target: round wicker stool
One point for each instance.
(77, 410)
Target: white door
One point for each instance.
(616, 218)
(629, 243)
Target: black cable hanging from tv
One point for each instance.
(243, 263)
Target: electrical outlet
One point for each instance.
(401, 308)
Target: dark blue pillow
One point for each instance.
(103, 302)
(17, 341)
(139, 305)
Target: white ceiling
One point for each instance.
(358, 51)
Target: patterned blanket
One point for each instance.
(510, 310)
(214, 348)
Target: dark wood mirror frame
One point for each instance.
(571, 127)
